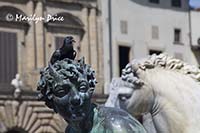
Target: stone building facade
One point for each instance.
(27, 40)
(195, 32)
(143, 27)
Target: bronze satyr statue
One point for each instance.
(67, 87)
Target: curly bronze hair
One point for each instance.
(61, 71)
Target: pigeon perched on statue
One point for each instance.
(66, 51)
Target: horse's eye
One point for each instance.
(124, 97)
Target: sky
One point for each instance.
(195, 3)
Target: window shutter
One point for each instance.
(8, 59)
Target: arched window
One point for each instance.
(8, 45)
(70, 24)
(8, 16)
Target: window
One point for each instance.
(157, 52)
(123, 27)
(8, 59)
(177, 35)
(176, 3)
(124, 53)
(154, 1)
(155, 32)
(59, 42)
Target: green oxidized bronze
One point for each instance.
(67, 87)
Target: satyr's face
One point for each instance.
(72, 99)
(67, 87)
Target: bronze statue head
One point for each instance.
(67, 87)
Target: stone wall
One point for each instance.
(39, 39)
(36, 43)
(29, 115)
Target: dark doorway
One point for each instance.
(8, 59)
(157, 52)
(124, 55)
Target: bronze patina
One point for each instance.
(67, 86)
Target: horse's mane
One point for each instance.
(158, 61)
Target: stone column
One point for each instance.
(100, 54)
(94, 49)
(39, 29)
(30, 49)
(49, 45)
(85, 41)
(93, 39)
(29, 41)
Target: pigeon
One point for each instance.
(66, 51)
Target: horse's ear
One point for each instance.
(135, 66)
